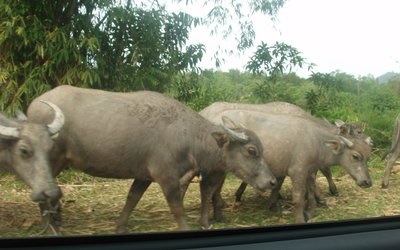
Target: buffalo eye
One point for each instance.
(252, 151)
(25, 152)
(356, 157)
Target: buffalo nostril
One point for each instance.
(54, 194)
(366, 183)
(38, 197)
(273, 183)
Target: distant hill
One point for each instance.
(386, 77)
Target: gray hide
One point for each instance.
(25, 149)
(346, 129)
(296, 147)
(151, 138)
(393, 153)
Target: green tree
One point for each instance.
(234, 19)
(107, 44)
(272, 62)
(97, 43)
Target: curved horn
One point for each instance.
(347, 142)
(242, 137)
(20, 115)
(9, 131)
(59, 119)
(369, 141)
(12, 132)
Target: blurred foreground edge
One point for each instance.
(373, 233)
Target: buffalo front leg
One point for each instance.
(311, 192)
(272, 202)
(326, 171)
(218, 202)
(318, 196)
(209, 185)
(314, 194)
(299, 186)
(240, 191)
(135, 194)
(389, 166)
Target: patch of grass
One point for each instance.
(92, 205)
(73, 176)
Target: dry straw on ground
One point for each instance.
(92, 205)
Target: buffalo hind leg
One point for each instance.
(185, 180)
(173, 194)
(135, 194)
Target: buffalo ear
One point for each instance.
(220, 138)
(334, 145)
(228, 122)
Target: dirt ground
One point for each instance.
(92, 205)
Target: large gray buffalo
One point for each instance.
(25, 149)
(151, 138)
(214, 110)
(297, 147)
(393, 154)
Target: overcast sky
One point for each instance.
(359, 37)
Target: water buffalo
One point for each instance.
(151, 138)
(393, 153)
(213, 111)
(25, 148)
(297, 147)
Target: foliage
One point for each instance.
(336, 95)
(272, 62)
(97, 44)
(199, 91)
(234, 19)
(327, 93)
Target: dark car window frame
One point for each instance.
(372, 233)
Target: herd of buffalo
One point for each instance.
(149, 137)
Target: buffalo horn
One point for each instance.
(369, 141)
(9, 131)
(347, 142)
(59, 119)
(20, 115)
(242, 137)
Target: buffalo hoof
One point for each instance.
(121, 230)
(333, 192)
(307, 216)
(274, 207)
(218, 217)
(204, 223)
(312, 203)
(385, 185)
(321, 202)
